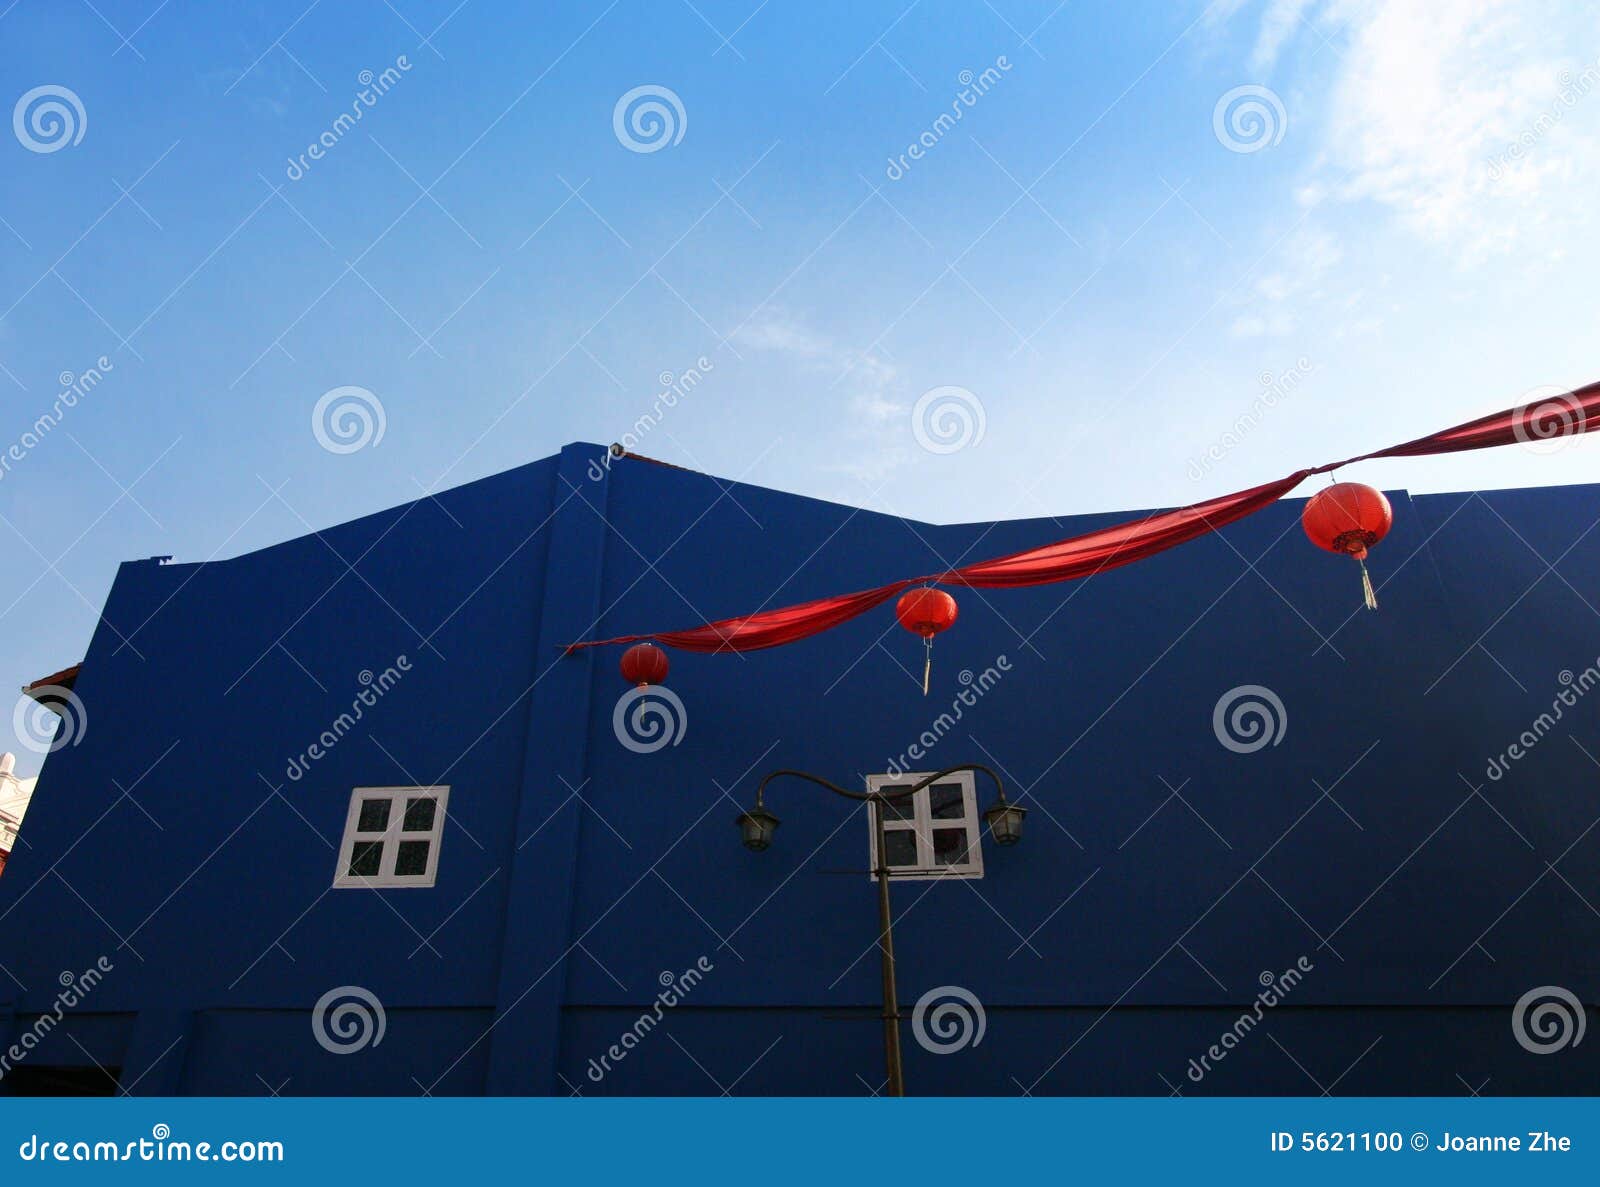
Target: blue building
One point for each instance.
(341, 817)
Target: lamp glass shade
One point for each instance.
(1005, 822)
(756, 828)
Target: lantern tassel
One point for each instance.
(1366, 586)
(927, 663)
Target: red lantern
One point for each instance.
(1349, 517)
(926, 612)
(644, 663)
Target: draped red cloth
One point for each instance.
(767, 628)
(1574, 412)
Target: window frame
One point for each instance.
(391, 836)
(922, 825)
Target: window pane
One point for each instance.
(904, 808)
(366, 857)
(949, 846)
(901, 846)
(419, 815)
(374, 816)
(412, 858)
(946, 801)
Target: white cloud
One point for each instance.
(1469, 120)
(1280, 22)
(878, 416)
(1275, 299)
(779, 332)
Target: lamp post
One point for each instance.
(756, 828)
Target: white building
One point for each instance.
(14, 796)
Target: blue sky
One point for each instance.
(1107, 266)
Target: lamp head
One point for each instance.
(756, 828)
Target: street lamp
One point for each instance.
(1005, 821)
(757, 826)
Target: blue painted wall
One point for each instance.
(1161, 873)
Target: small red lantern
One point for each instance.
(644, 663)
(1349, 517)
(926, 612)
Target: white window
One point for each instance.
(391, 836)
(935, 833)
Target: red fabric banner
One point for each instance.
(1120, 544)
(768, 628)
